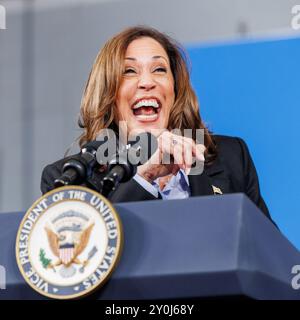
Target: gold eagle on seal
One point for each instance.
(68, 235)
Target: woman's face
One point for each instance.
(146, 93)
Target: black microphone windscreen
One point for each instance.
(145, 144)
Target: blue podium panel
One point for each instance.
(194, 248)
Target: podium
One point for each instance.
(201, 247)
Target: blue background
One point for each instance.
(252, 90)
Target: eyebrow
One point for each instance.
(154, 57)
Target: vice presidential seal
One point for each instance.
(69, 242)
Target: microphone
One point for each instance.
(123, 165)
(79, 167)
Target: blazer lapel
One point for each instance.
(218, 176)
(200, 185)
(214, 177)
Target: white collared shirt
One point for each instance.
(178, 186)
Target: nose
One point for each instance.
(146, 81)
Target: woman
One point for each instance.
(140, 77)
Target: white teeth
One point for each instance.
(146, 103)
(151, 117)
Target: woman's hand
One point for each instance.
(174, 152)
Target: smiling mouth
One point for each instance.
(147, 110)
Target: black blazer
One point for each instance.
(232, 171)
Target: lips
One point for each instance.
(146, 108)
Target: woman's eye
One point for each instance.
(160, 69)
(128, 71)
